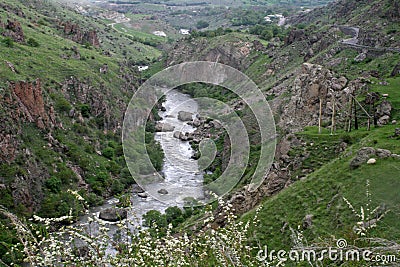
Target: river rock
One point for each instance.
(183, 137)
(196, 122)
(142, 195)
(190, 136)
(177, 134)
(164, 127)
(162, 191)
(371, 161)
(137, 189)
(113, 214)
(185, 116)
(216, 124)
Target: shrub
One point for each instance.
(228, 246)
(85, 110)
(62, 105)
(201, 24)
(8, 42)
(32, 42)
(53, 184)
(116, 187)
(174, 216)
(108, 152)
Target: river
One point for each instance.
(178, 168)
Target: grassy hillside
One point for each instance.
(81, 149)
(321, 194)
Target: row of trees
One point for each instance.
(269, 31)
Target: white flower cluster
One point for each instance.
(368, 219)
(73, 246)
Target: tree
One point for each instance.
(266, 34)
(53, 184)
(85, 110)
(108, 152)
(154, 217)
(174, 215)
(32, 42)
(201, 24)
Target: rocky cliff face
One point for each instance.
(98, 99)
(24, 103)
(235, 53)
(312, 84)
(297, 103)
(91, 38)
(31, 108)
(74, 32)
(13, 30)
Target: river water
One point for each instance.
(180, 171)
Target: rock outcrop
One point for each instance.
(185, 116)
(164, 127)
(383, 113)
(312, 84)
(235, 53)
(73, 31)
(113, 214)
(396, 70)
(91, 38)
(13, 30)
(366, 153)
(77, 91)
(295, 36)
(28, 96)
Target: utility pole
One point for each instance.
(355, 115)
(320, 116)
(333, 115)
(355, 101)
(350, 114)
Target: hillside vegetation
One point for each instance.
(65, 81)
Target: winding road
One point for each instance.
(353, 41)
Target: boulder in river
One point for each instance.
(137, 189)
(196, 122)
(162, 191)
(185, 116)
(177, 134)
(113, 214)
(142, 195)
(164, 127)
